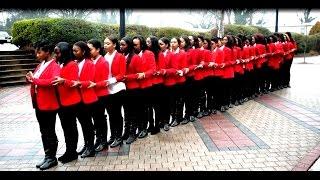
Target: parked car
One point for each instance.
(5, 37)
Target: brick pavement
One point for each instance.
(275, 132)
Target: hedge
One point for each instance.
(72, 30)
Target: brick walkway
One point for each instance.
(278, 131)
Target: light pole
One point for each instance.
(277, 19)
(122, 23)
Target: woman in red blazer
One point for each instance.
(158, 98)
(145, 78)
(164, 44)
(45, 102)
(86, 74)
(70, 99)
(116, 87)
(228, 76)
(176, 72)
(101, 75)
(132, 104)
(292, 48)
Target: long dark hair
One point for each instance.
(97, 44)
(129, 42)
(143, 43)
(155, 48)
(115, 41)
(188, 43)
(166, 41)
(66, 53)
(84, 47)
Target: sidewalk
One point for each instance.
(275, 132)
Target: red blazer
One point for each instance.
(45, 93)
(228, 60)
(148, 67)
(160, 64)
(87, 74)
(286, 49)
(193, 60)
(273, 61)
(260, 50)
(178, 62)
(291, 47)
(237, 55)
(131, 72)
(101, 74)
(69, 95)
(218, 57)
(207, 58)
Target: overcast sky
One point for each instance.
(177, 18)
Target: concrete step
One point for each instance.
(18, 56)
(12, 83)
(13, 72)
(18, 66)
(17, 61)
(17, 52)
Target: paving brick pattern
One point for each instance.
(275, 132)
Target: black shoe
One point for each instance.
(236, 103)
(175, 123)
(101, 147)
(226, 107)
(185, 121)
(89, 152)
(222, 109)
(245, 99)
(50, 162)
(131, 139)
(231, 106)
(97, 143)
(289, 86)
(41, 162)
(166, 127)
(205, 113)
(155, 131)
(116, 143)
(200, 115)
(68, 157)
(241, 101)
(150, 129)
(110, 141)
(143, 134)
(214, 111)
(192, 118)
(82, 150)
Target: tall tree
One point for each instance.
(228, 12)
(221, 28)
(243, 16)
(74, 13)
(206, 19)
(306, 17)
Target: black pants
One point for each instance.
(263, 77)
(68, 119)
(275, 75)
(132, 110)
(238, 87)
(287, 68)
(84, 115)
(160, 105)
(190, 96)
(47, 122)
(201, 98)
(176, 102)
(148, 100)
(211, 87)
(114, 104)
(99, 119)
(227, 90)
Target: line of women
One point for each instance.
(159, 83)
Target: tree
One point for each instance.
(306, 17)
(228, 12)
(244, 16)
(74, 13)
(205, 19)
(111, 16)
(18, 14)
(221, 28)
(261, 21)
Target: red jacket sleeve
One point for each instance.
(48, 82)
(102, 74)
(72, 75)
(150, 64)
(89, 76)
(122, 68)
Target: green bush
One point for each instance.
(315, 29)
(235, 29)
(301, 41)
(314, 42)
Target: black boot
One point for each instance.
(51, 152)
(68, 157)
(50, 162)
(89, 152)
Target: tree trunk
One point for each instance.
(221, 28)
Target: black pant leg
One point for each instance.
(47, 122)
(99, 119)
(84, 115)
(69, 126)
